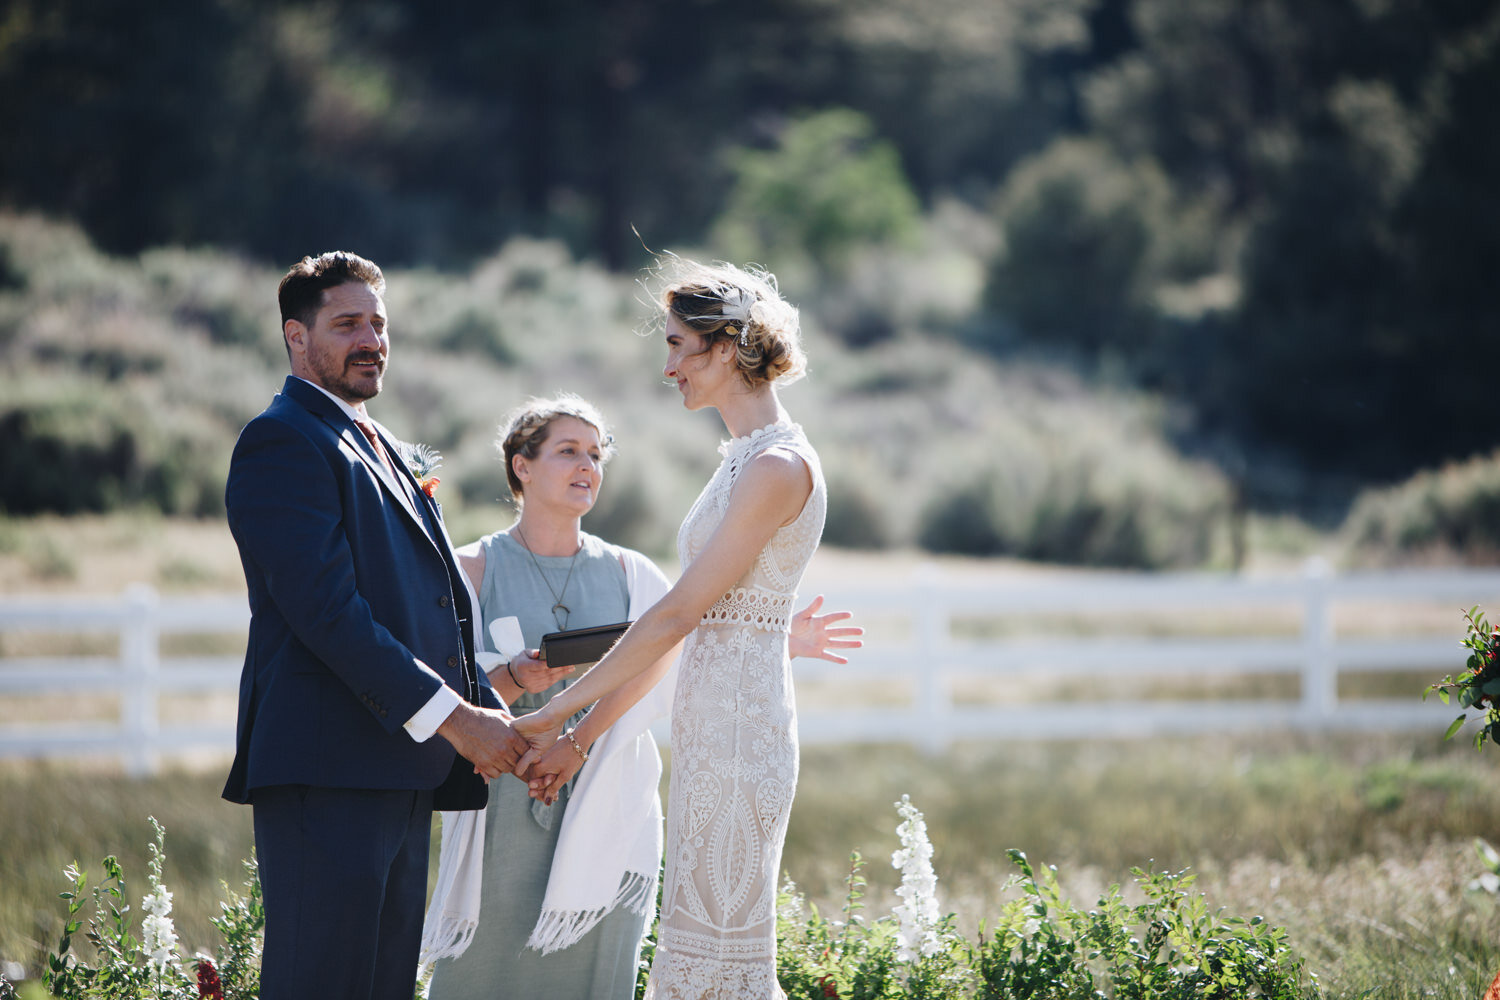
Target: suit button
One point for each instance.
(452, 661)
(443, 601)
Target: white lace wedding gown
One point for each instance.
(734, 753)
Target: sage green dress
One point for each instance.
(521, 833)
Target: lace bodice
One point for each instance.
(763, 598)
(734, 752)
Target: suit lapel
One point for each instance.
(405, 493)
(326, 410)
(427, 518)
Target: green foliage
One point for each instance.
(1079, 226)
(1075, 501)
(1171, 946)
(1042, 947)
(1452, 512)
(130, 380)
(830, 186)
(1478, 685)
(127, 968)
(1281, 214)
(75, 447)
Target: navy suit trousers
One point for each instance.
(344, 877)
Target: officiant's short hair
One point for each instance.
(300, 293)
(525, 430)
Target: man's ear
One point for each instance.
(295, 334)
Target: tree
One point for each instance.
(1079, 228)
(829, 187)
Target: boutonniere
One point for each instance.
(423, 462)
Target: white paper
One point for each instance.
(506, 634)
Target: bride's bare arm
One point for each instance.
(561, 762)
(770, 492)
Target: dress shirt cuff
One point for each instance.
(433, 714)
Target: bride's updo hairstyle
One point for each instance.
(724, 302)
(529, 425)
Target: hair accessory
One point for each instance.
(737, 304)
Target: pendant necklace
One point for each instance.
(557, 597)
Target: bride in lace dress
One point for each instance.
(731, 339)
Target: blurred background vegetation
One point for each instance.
(1090, 281)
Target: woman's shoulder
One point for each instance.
(631, 561)
(787, 464)
(491, 548)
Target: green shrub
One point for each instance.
(829, 187)
(1089, 506)
(130, 379)
(1169, 948)
(1451, 513)
(74, 448)
(126, 967)
(1078, 226)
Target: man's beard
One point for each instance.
(336, 377)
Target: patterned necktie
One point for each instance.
(385, 459)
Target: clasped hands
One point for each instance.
(530, 747)
(497, 744)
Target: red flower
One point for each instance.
(429, 485)
(830, 988)
(208, 981)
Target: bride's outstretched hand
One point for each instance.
(540, 734)
(555, 769)
(813, 635)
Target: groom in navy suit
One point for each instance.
(360, 704)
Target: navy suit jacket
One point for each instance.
(358, 614)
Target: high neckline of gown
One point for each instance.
(746, 440)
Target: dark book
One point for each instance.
(580, 645)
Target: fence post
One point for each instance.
(140, 656)
(1320, 676)
(934, 688)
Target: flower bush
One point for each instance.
(1041, 947)
(124, 968)
(1478, 685)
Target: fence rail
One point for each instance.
(926, 660)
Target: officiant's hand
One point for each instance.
(485, 738)
(554, 770)
(813, 635)
(530, 670)
(540, 731)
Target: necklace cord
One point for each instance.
(557, 597)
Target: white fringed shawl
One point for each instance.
(609, 847)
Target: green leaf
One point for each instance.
(1454, 727)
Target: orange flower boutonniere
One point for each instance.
(423, 462)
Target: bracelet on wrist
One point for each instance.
(581, 751)
(513, 675)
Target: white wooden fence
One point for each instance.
(927, 660)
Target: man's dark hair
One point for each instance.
(301, 290)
